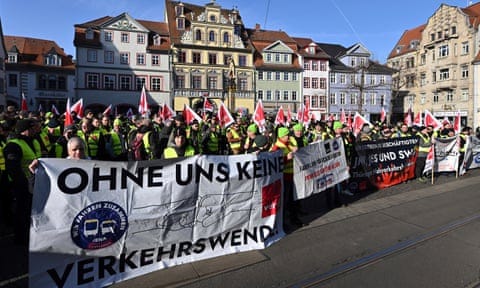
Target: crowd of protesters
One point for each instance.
(27, 136)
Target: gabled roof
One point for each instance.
(304, 43)
(32, 50)
(403, 45)
(474, 12)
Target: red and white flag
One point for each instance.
(108, 110)
(24, 103)
(78, 108)
(306, 112)
(289, 116)
(430, 120)
(457, 123)
(417, 121)
(445, 121)
(259, 116)
(143, 108)
(408, 118)
(68, 114)
(358, 122)
(331, 117)
(343, 117)
(55, 110)
(167, 112)
(280, 118)
(189, 115)
(429, 163)
(224, 116)
(207, 106)
(383, 115)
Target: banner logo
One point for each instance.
(99, 225)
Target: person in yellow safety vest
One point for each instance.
(59, 148)
(291, 208)
(235, 139)
(424, 144)
(118, 143)
(181, 149)
(298, 139)
(19, 153)
(94, 140)
(320, 132)
(462, 143)
(211, 139)
(252, 132)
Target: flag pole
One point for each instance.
(433, 159)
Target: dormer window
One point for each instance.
(413, 44)
(157, 39)
(89, 34)
(179, 9)
(12, 58)
(52, 60)
(213, 18)
(399, 48)
(311, 50)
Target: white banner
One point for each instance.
(472, 155)
(319, 166)
(96, 223)
(446, 156)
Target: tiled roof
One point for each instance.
(474, 12)
(304, 43)
(404, 44)
(31, 50)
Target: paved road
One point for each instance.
(409, 235)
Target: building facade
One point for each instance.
(117, 57)
(357, 84)
(3, 72)
(211, 56)
(39, 70)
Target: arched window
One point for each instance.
(211, 36)
(198, 35)
(226, 37)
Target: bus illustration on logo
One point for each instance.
(99, 225)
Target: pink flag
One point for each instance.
(383, 115)
(456, 123)
(343, 118)
(280, 119)
(24, 103)
(358, 122)
(68, 114)
(55, 110)
(108, 110)
(167, 112)
(417, 121)
(408, 118)
(331, 117)
(259, 116)
(430, 120)
(143, 108)
(78, 108)
(189, 115)
(224, 117)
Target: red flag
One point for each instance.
(68, 114)
(445, 121)
(24, 103)
(143, 108)
(167, 112)
(78, 108)
(383, 115)
(343, 118)
(189, 115)
(207, 106)
(289, 116)
(358, 122)
(457, 123)
(259, 116)
(55, 110)
(280, 118)
(408, 118)
(331, 117)
(306, 112)
(108, 110)
(430, 120)
(224, 117)
(417, 121)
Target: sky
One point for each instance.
(378, 25)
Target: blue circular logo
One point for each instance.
(99, 225)
(335, 145)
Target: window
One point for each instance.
(352, 79)
(313, 101)
(454, 30)
(306, 65)
(315, 83)
(179, 10)
(226, 59)
(333, 78)
(449, 96)
(12, 58)
(182, 57)
(226, 37)
(372, 79)
(432, 37)
(439, 34)
(109, 82)
(277, 95)
(322, 101)
(423, 59)
(196, 58)
(434, 77)
(180, 81)
(286, 58)
(108, 57)
(89, 34)
(277, 76)
(212, 82)
(62, 83)
(12, 80)
(91, 55)
(260, 95)
(180, 23)
(140, 81)
(306, 82)
(277, 57)
(294, 95)
(323, 83)
(52, 82)
(242, 60)
(92, 81)
(42, 82)
(157, 40)
(294, 77)
(285, 95)
(140, 38)
(444, 74)
(464, 72)
(269, 75)
(373, 99)
(443, 51)
(315, 66)
(465, 48)
(465, 94)
(198, 35)
(382, 79)
(156, 84)
(108, 36)
(333, 99)
(243, 84)
(124, 58)
(353, 98)
(353, 61)
(260, 75)
(125, 82)
(197, 82)
(342, 98)
(269, 95)
(435, 98)
(268, 57)
(212, 58)
(155, 60)
(343, 78)
(323, 66)
(423, 79)
(213, 18)
(211, 36)
(124, 37)
(140, 59)
(285, 76)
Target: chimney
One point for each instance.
(257, 27)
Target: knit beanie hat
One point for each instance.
(282, 131)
